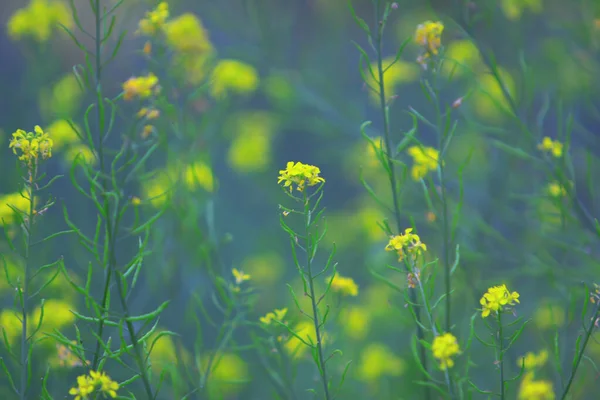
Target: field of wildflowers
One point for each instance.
(319, 199)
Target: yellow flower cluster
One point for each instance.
(553, 147)
(97, 382)
(154, 20)
(299, 174)
(233, 76)
(344, 285)
(239, 278)
(141, 86)
(8, 203)
(496, 299)
(30, 145)
(533, 361)
(555, 189)
(444, 347)
(277, 315)
(429, 36)
(39, 19)
(532, 389)
(406, 243)
(425, 159)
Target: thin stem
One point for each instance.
(501, 355)
(25, 290)
(392, 171)
(311, 285)
(588, 335)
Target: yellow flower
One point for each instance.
(395, 74)
(405, 244)
(553, 147)
(65, 357)
(305, 330)
(425, 159)
(277, 315)
(428, 35)
(141, 86)
(341, 284)
(299, 174)
(14, 200)
(88, 384)
(240, 276)
(233, 76)
(199, 174)
(62, 100)
(57, 315)
(10, 325)
(489, 100)
(250, 149)
(265, 268)
(39, 19)
(154, 20)
(157, 189)
(461, 56)
(444, 347)
(229, 374)
(376, 361)
(555, 189)
(549, 316)
(29, 145)
(496, 299)
(531, 389)
(85, 387)
(532, 360)
(63, 133)
(356, 322)
(514, 8)
(82, 151)
(186, 34)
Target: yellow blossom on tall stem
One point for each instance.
(497, 299)
(299, 174)
(444, 347)
(553, 147)
(30, 145)
(406, 243)
(154, 20)
(425, 160)
(428, 35)
(344, 285)
(140, 86)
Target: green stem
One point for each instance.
(315, 310)
(392, 174)
(25, 290)
(501, 355)
(588, 335)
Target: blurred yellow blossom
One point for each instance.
(240, 276)
(531, 389)
(154, 20)
(164, 353)
(14, 200)
(10, 325)
(57, 315)
(514, 8)
(233, 76)
(425, 159)
(356, 322)
(140, 86)
(428, 35)
(65, 357)
(62, 100)
(265, 268)
(277, 315)
(549, 316)
(95, 382)
(39, 19)
(305, 330)
(82, 152)
(250, 149)
(395, 73)
(461, 56)
(377, 361)
(344, 285)
(278, 88)
(157, 189)
(62, 133)
(199, 174)
(406, 243)
(228, 375)
(444, 347)
(555, 189)
(553, 147)
(496, 299)
(29, 145)
(489, 100)
(299, 174)
(186, 33)
(532, 360)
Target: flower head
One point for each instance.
(233, 76)
(531, 389)
(277, 315)
(425, 159)
(140, 86)
(428, 35)
(30, 145)
(444, 347)
(240, 276)
(496, 299)
(532, 360)
(154, 20)
(406, 243)
(97, 382)
(344, 285)
(39, 19)
(553, 147)
(299, 174)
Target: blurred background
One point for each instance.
(290, 90)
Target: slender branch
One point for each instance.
(501, 355)
(315, 310)
(392, 173)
